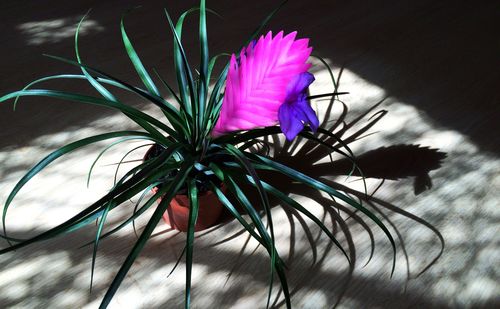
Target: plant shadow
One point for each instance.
(308, 251)
(393, 162)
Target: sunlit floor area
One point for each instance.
(447, 234)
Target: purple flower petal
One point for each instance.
(296, 111)
(306, 113)
(289, 123)
(298, 85)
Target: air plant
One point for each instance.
(206, 139)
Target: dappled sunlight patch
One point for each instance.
(56, 30)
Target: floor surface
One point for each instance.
(432, 66)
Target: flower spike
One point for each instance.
(257, 81)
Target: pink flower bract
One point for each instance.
(256, 82)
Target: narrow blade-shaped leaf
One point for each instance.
(193, 216)
(203, 83)
(103, 91)
(321, 186)
(58, 153)
(97, 237)
(135, 115)
(148, 230)
(136, 61)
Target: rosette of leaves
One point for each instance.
(191, 158)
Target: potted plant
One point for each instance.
(177, 214)
(205, 144)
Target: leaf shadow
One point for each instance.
(393, 162)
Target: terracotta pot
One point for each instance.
(209, 212)
(177, 214)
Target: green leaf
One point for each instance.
(292, 203)
(56, 154)
(96, 243)
(321, 142)
(229, 206)
(103, 91)
(212, 63)
(137, 211)
(63, 76)
(203, 83)
(193, 216)
(184, 114)
(327, 67)
(331, 149)
(168, 109)
(170, 90)
(137, 116)
(298, 176)
(106, 149)
(182, 78)
(246, 165)
(215, 101)
(123, 158)
(136, 61)
(346, 127)
(265, 22)
(254, 215)
(350, 157)
(174, 186)
(212, 113)
(163, 159)
(365, 128)
(325, 95)
(235, 138)
(255, 142)
(141, 122)
(177, 262)
(123, 191)
(276, 262)
(103, 80)
(185, 77)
